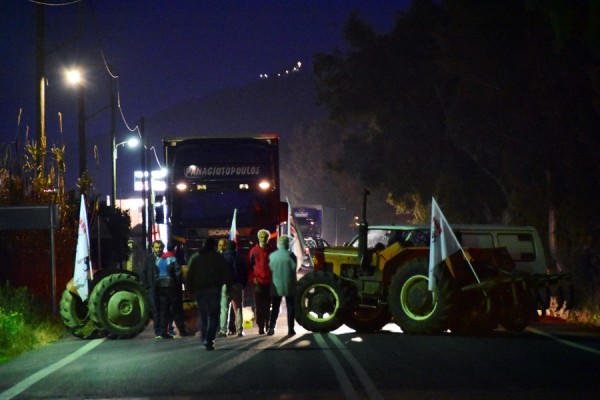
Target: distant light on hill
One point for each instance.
(287, 71)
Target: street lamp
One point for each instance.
(131, 143)
(75, 77)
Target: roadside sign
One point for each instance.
(34, 217)
(29, 217)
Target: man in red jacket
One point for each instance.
(261, 277)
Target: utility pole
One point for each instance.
(112, 137)
(150, 204)
(144, 208)
(40, 81)
(81, 130)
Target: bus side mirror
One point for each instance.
(159, 214)
(283, 212)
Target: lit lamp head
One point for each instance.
(133, 142)
(74, 76)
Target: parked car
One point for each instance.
(312, 244)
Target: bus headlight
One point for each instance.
(264, 185)
(181, 186)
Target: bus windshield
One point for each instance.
(215, 209)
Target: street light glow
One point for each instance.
(74, 76)
(133, 142)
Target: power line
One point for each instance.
(67, 3)
(116, 78)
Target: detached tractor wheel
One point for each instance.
(119, 306)
(516, 317)
(74, 314)
(412, 304)
(478, 316)
(321, 302)
(367, 320)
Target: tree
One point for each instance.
(494, 118)
(314, 175)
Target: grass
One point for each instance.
(587, 314)
(25, 324)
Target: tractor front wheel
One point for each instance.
(321, 302)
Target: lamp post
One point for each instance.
(75, 77)
(131, 143)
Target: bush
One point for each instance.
(25, 324)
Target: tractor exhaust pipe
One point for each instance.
(362, 234)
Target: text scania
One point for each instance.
(193, 171)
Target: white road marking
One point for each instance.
(360, 371)
(33, 379)
(565, 342)
(338, 370)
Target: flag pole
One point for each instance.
(289, 222)
(297, 236)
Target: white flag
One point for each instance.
(297, 244)
(82, 255)
(233, 229)
(443, 241)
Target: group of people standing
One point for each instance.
(274, 277)
(217, 277)
(162, 276)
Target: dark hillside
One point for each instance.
(274, 105)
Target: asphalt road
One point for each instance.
(548, 361)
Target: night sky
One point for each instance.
(164, 54)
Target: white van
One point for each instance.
(522, 242)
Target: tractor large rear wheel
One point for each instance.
(414, 307)
(321, 302)
(119, 306)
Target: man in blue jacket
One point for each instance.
(168, 276)
(148, 277)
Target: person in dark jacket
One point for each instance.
(234, 289)
(207, 272)
(177, 312)
(148, 277)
